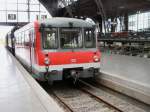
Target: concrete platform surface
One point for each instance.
(126, 74)
(19, 92)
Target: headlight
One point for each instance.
(96, 59)
(46, 61)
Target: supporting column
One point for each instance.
(113, 26)
(126, 27)
(98, 20)
(100, 24)
(101, 11)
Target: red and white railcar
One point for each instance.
(58, 48)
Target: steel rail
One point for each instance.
(96, 97)
(63, 103)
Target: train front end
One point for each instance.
(69, 51)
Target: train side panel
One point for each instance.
(24, 45)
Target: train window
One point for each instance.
(31, 35)
(49, 37)
(27, 39)
(19, 39)
(71, 38)
(16, 38)
(22, 38)
(90, 41)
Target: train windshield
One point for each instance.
(50, 38)
(71, 38)
(89, 36)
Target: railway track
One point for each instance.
(91, 97)
(116, 100)
(79, 100)
(88, 91)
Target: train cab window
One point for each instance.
(71, 38)
(49, 37)
(90, 41)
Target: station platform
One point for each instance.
(19, 92)
(126, 74)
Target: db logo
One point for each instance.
(73, 60)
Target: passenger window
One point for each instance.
(27, 39)
(22, 38)
(19, 39)
(31, 36)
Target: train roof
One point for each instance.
(59, 22)
(65, 22)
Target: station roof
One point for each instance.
(118, 7)
(89, 8)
